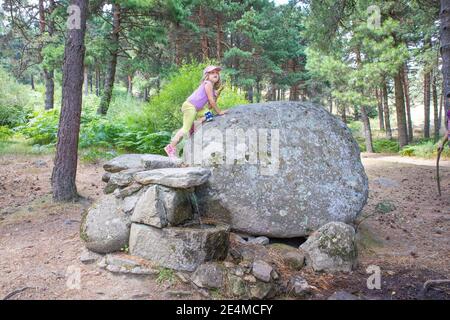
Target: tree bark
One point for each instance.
(85, 81)
(97, 81)
(203, 37)
(378, 95)
(48, 73)
(367, 130)
(111, 73)
(444, 16)
(435, 109)
(130, 84)
(387, 117)
(400, 109)
(405, 83)
(65, 168)
(426, 104)
(219, 36)
(32, 83)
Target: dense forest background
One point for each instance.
(375, 64)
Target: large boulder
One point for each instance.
(311, 175)
(331, 248)
(106, 227)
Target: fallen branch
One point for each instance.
(430, 283)
(13, 293)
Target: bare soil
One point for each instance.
(40, 244)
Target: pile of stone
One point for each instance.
(150, 209)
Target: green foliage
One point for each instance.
(42, 128)
(14, 100)
(385, 206)
(424, 149)
(379, 145)
(165, 275)
(5, 133)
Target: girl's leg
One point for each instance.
(189, 113)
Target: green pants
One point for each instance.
(190, 113)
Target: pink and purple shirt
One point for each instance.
(199, 98)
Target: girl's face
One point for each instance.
(213, 76)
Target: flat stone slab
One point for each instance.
(123, 178)
(156, 161)
(178, 248)
(160, 206)
(124, 162)
(174, 177)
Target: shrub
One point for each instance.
(5, 133)
(14, 101)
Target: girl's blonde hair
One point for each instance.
(216, 85)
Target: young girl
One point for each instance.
(194, 106)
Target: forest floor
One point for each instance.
(39, 239)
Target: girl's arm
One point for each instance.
(211, 100)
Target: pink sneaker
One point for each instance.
(171, 151)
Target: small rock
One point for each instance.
(294, 259)
(237, 286)
(331, 248)
(208, 275)
(250, 278)
(228, 264)
(106, 176)
(300, 286)
(259, 240)
(262, 270)
(178, 293)
(88, 256)
(40, 163)
(342, 295)
(260, 290)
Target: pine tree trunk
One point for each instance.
(85, 81)
(219, 36)
(400, 109)
(387, 117)
(435, 109)
(445, 50)
(49, 89)
(405, 83)
(97, 81)
(378, 95)
(367, 130)
(48, 73)
(330, 104)
(426, 104)
(111, 73)
(65, 168)
(130, 84)
(203, 38)
(32, 83)
(91, 85)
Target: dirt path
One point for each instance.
(39, 239)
